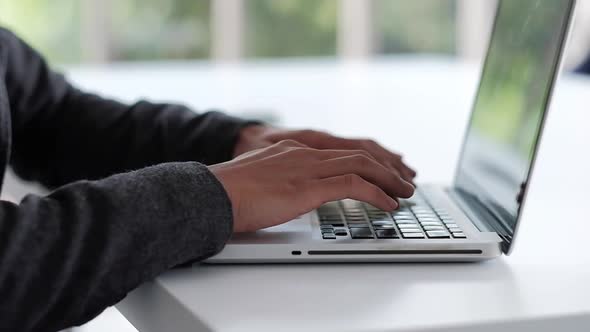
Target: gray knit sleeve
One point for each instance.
(65, 257)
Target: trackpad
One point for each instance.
(294, 230)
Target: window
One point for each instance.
(53, 27)
(78, 31)
(72, 31)
(421, 26)
(287, 28)
(156, 29)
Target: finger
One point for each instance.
(289, 143)
(332, 154)
(368, 169)
(386, 157)
(393, 159)
(348, 186)
(277, 148)
(399, 163)
(403, 171)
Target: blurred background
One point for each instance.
(94, 39)
(106, 31)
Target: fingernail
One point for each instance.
(411, 188)
(394, 205)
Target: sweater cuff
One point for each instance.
(182, 212)
(203, 197)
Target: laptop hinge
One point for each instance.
(484, 218)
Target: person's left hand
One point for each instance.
(259, 136)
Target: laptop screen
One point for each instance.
(509, 109)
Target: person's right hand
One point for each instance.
(270, 186)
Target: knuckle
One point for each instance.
(299, 152)
(362, 160)
(289, 142)
(362, 152)
(351, 180)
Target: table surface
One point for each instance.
(415, 105)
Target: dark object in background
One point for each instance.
(584, 67)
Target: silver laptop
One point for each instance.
(477, 217)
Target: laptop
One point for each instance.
(477, 217)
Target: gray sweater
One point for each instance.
(131, 199)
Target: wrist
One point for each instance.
(248, 135)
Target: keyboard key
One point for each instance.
(386, 234)
(434, 228)
(410, 230)
(431, 223)
(402, 213)
(330, 230)
(399, 222)
(456, 230)
(332, 223)
(329, 216)
(406, 226)
(326, 227)
(340, 232)
(382, 222)
(329, 222)
(329, 236)
(361, 233)
(383, 226)
(330, 219)
(427, 215)
(438, 234)
(451, 226)
(413, 235)
(354, 215)
(459, 235)
(428, 219)
(358, 225)
(404, 218)
(349, 219)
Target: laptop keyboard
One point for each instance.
(358, 220)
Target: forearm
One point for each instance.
(92, 137)
(66, 257)
(61, 134)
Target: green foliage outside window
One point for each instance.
(415, 26)
(156, 29)
(146, 30)
(53, 26)
(285, 28)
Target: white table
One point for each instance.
(418, 106)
